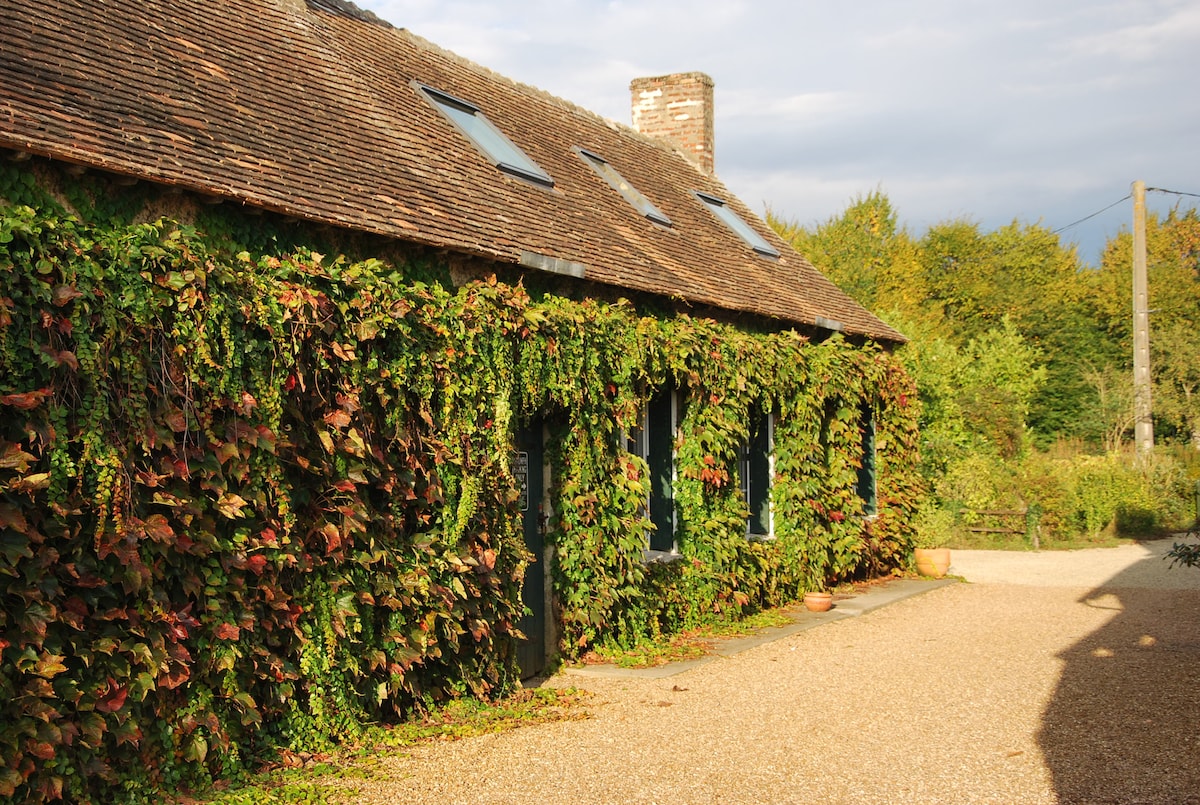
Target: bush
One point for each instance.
(936, 527)
(1112, 492)
(1076, 495)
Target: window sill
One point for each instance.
(760, 537)
(651, 557)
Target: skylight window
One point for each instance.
(500, 150)
(734, 221)
(611, 175)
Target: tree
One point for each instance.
(1001, 375)
(866, 254)
(1177, 378)
(1112, 415)
(960, 283)
(1173, 261)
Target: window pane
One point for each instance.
(661, 447)
(866, 473)
(757, 468)
(735, 222)
(630, 193)
(499, 148)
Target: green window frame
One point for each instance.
(654, 442)
(756, 473)
(868, 469)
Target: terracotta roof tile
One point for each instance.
(310, 109)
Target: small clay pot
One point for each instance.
(818, 602)
(933, 562)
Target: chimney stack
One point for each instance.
(677, 108)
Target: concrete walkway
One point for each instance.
(845, 606)
(1048, 678)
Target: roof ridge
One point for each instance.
(345, 8)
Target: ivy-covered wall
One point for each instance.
(255, 495)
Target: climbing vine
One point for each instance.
(262, 498)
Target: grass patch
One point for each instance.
(328, 778)
(690, 644)
(310, 786)
(466, 718)
(1109, 537)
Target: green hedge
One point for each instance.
(259, 499)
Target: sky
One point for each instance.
(1036, 111)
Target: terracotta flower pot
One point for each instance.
(932, 561)
(818, 602)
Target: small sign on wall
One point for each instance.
(521, 475)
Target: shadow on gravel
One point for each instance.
(1123, 725)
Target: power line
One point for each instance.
(1121, 201)
(1093, 215)
(1172, 192)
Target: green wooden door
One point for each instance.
(527, 469)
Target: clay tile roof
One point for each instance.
(311, 109)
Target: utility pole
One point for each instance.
(1143, 423)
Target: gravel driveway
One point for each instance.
(1049, 678)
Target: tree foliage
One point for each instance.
(1173, 263)
(1016, 346)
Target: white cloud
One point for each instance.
(1140, 41)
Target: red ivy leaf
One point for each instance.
(63, 294)
(41, 749)
(26, 400)
(65, 357)
(333, 538)
(114, 697)
(227, 631)
(158, 529)
(173, 678)
(176, 420)
(337, 418)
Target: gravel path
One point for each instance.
(1051, 678)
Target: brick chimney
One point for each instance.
(677, 108)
